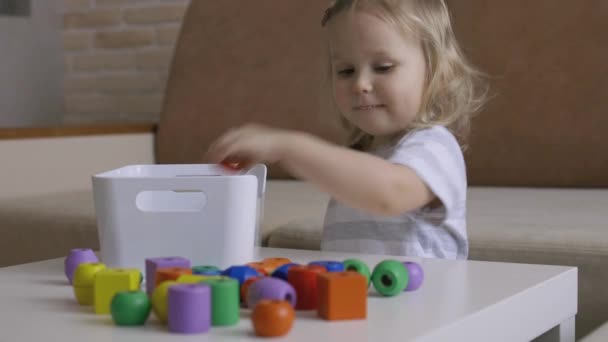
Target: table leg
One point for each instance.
(561, 333)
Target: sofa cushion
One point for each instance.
(46, 226)
(288, 204)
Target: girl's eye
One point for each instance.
(383, 68)
(346, 72)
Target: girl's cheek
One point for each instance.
(341, 96)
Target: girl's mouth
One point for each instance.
(368, 107)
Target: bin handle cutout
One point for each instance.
(181, 200)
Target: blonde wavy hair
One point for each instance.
(454, 89)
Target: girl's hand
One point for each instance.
(248, 145)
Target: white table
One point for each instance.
(459, 301)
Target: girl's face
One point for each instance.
(378, 74)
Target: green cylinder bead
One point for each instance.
(390, 277)
(225, 301)
(130, 308)
(358, 266)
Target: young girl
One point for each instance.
(407, 94)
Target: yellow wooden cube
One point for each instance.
(110, 281)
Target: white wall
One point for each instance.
(32, 67)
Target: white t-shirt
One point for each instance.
(439, 232)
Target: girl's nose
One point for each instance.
(362, 84)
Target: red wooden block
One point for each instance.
(304, 281)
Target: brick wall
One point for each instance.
(117, 56)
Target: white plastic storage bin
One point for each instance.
(202, 212)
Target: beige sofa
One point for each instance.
(536, 168)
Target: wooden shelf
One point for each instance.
(75, 130)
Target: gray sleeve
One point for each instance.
(435, 156)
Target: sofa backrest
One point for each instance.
(546, 124)
(242, 61)
(265, 61)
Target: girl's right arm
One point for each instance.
(358, 179)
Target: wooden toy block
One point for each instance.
(245, 288)
(270, 288)
(225, 309)
(189, 308)
(276, 262)
(330, 266)
(359, 266)
(154, 264)
(195, 278)
(160, 301)
(262, 268)
(390, 277)
(76, 257)
(304, 281)
(281, 271)
(272, 318)
(342, 296)
(171, 273)
(83, 281)
(416, 275)
(130, 308)
(110, 281)
(206, 270)
(240, 273)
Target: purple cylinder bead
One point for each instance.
(416, 275)
(76, 257)
(189, 308)
(270, 288)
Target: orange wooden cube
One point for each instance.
(342, 296)
(276, 262)
(170, 273)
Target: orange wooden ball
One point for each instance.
(272, 318)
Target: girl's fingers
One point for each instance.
(218, 150)
(234, 153)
